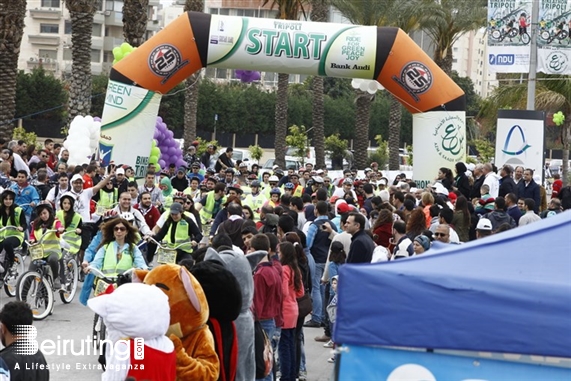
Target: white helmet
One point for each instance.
(127, 216)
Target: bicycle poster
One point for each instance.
(553, 37)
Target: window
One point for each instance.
(213, 11)
(269, 78)
(245, 12)
(49, 28)
(114, 5)
(107, 31)
(454, 60)
(95, 55)
(221, 73)
(66, 54)
(108, 56)
(455, 49)
(224, 11)
(210, 72)
(67, 27)
(50, 3)
(96, 30)
(46, 53)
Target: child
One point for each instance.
(486, 202)
(332, 309)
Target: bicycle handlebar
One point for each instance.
(160, 245)
(10, 228)
(45, 234)
(108, 279)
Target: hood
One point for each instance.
(255, 258)
(272, 219)
(167, 183)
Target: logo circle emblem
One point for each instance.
(416, 77)
(557, 62)
(164, 60)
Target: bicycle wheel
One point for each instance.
(35, 290)
(70, 282)
(525, 39)
(12, 275)
(98, 331)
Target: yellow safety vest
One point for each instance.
(73, 240)
(256, 203)
(208, 209)
(51, 243)
(298, 191)
(180, 236)
(10, 232)
(112, 266)
(107, 200)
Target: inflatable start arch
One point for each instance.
(196, 40)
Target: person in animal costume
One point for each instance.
(196, 357)
(133, 312)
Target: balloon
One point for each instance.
(239, 73)
(170, 133)
(181, 163)
(162, 163)
(154, 143)
(363, 86)
(155, 151)
(256, 76)
(126, 48)
(153, 159)
(159, 119)
(356, 83)
(117, 51)
(172, 151)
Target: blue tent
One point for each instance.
(508, 293)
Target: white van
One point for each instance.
(309, 155)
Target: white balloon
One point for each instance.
(356, 83)
(88, 120)
(363, 86)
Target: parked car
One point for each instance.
(239, 154)
(270, 163)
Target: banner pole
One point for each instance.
(533, 56)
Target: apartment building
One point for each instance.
(47, 35)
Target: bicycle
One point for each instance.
(100, 210)
(71, 271)
(549, 37)
(35, 287)
(100, 286)
(166, 254)
(12, 274)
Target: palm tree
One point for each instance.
(287, 10)
(12, 13)
(191, 92)
(81, 13)
(551, 95)
(407, 15)
(135, 21)
(457, 18)
(320, 13)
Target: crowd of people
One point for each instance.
(296, 226)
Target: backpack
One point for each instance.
(263, 352)
(565, 197)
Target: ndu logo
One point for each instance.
(501, 59)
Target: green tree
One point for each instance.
(473, 103)
(297, 139)
(99, 85)
(455, 19)
(485, 148)
(39, 91)
(256, 152)
(12, 14)
(81, 14)
(336, 149)
(552, 94)
(287, 10)
(408, 16)
(135, 21)
(192, 88)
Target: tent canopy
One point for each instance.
(507, 293)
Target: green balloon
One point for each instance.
(155, 151)
(154, 144)
(153, 159)
(126, 48)
(117, 51)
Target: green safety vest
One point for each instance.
(10, 232)
(256, 203)
(51, 243)
(73, 240)
(107, 199)
(112, 267)
(180, 236)
(208, 209)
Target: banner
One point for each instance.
(520, 139)
(129, 118)
(553, 50)
(376, 363)
(438, 140)
(509, 29)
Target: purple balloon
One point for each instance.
(172, 152)
(96, 119)
(162, 163)
(163, 126)
(180, 163)
(256, 76)
(239, 73)
(170, 133)
(159, 119)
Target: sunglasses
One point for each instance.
(120, 228)
(440, 234)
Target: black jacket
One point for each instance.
(27, 365)
(507, 185)
(362, 247)
(475, 192)
(463, 184)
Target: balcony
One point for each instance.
(46, 14)
(44, 39)
(97, 43)
(99, 18)
(153, 25)
(113, 18)
(111, 42)
(47, 63)
(154, 3)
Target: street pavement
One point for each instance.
(74, 322)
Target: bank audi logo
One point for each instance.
(26, 343)
(502, 59)
(508, 148)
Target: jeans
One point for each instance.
(287, 355)
(328, 295)
(8, 245)
(54, 263)
(299, 349)
(269, 326)
(317, 291)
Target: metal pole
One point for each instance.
(215, 120)
(533, 56)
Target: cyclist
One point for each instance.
(71, 221)
(135, 217)
(10, 215)
(46, 220)
(179, 228)
(118, 251)
(275, 194)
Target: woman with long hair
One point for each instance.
(248, 212)
(189, 208)
(461, 219)
(461, 181)
(416, 223)
(71, 222)
(10, 215)
(383, 228)
(427, 200)
(292, 288)
(446, 177)
(118, 251)
(303, 264)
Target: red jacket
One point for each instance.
(151, 215)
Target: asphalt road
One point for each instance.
(74, 322)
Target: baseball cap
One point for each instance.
(243, 165)
(77, 176)
(119, 171)
(484, 224)
(347, 181)
(255, 183)
(176, 208)
(210, 170)
(423, 240)
(229, 170)
(439, 188)
(333, 199)
(367, 170)
(320, 171)
(195, 165)
(275, 167)
(343, 207)
(318, 180)
(181, 169)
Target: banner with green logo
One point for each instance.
(438, 140)
(293, 47)
(553, 37)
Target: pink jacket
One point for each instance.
(290, 311)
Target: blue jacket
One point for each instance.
(89, 278)
(25, 195)
(530, 191)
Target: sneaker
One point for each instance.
(57, 284)
(329, 344)
(312, 324)
(323, 338)
(302, 375)
(331, 360)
